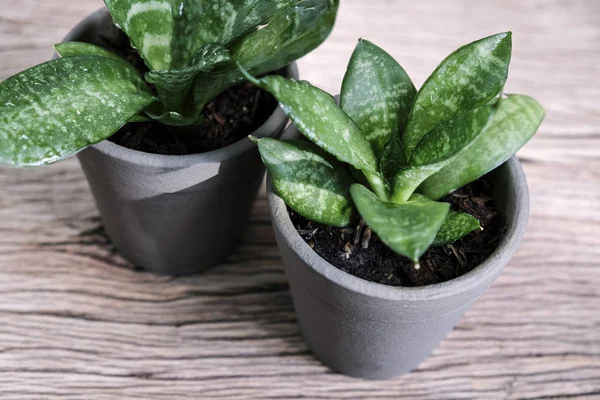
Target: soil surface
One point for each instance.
(232, 116)
(358, 251)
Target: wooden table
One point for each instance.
(77, 321)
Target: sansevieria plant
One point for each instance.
(191, 48)
(388, 152)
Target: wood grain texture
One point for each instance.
(77, 321)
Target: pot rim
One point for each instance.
(489, 267)
(277, 118)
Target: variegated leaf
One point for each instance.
(437, 149)
(174, 86)
(408, 179)
(318, 117)
(514, 122)
(392, 159)
(377, 94)
(408, 229)
(53, 110)
(200, 22)
(150, 25)
(456, 225)
(468, 78)
(292, 33)
(309, 180)
(72, 49)
(167, 33)
(451, 137)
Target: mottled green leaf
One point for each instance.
(377, 94)
(451, 137)
(408, 179)
(199, 22)
(167, 33)
(173, 86)
(53, 110)
(408, 229)
(318, 117)
(290, 34)
(310, 181)
(188, 43)
(456, 225)
(72, 49)
(150, 25)
(392, 159)
(514, 122)
(468, 78)
(437, 149)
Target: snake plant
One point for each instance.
(191, 48)
(388, 152)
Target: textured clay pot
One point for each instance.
(174, 214)
(374, 331)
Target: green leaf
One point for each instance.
(437, 149)
(408, 179)
(72, 49)
(392, 159)
(53, 110)
(191, 52)
(456, 225)
(377, 94)
(451, 137)
(309, 180)
(173, 86)
(140, 118)
(200, 22)
(318, 117)
(168, 33)
(468, 78)
(514, 122)
(150, 25)
(292, 33)
(408, 229)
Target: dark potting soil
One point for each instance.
(232, 116)
(358, 251)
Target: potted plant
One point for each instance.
(174, 184)
(381, 266)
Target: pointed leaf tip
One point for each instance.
(408, 229)
(469, 77)
(513, 123)
(377, 94)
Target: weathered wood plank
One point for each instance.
(77, 321)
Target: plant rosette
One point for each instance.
(386, 155)
(172, 214)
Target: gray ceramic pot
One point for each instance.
(174, 214)
(369, 330)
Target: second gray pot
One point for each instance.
(374, 331)
(174, 214)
